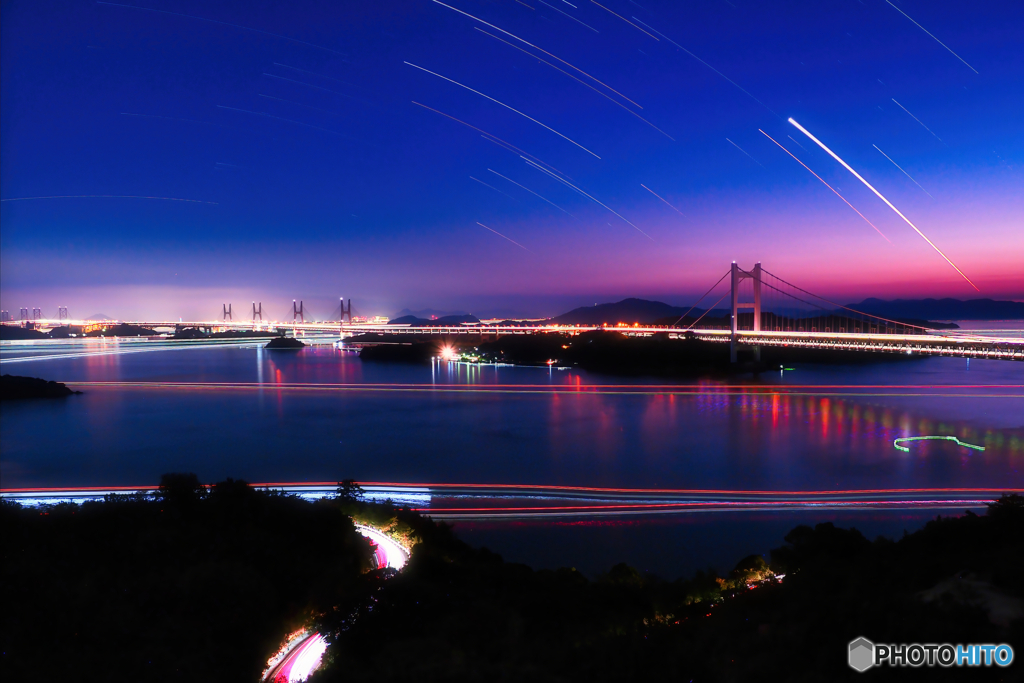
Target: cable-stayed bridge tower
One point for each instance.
(257, 311)
(227, 312)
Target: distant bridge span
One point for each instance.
(816, 323)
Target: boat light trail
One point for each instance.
(879, 195)
(583, 83)
(504, 105)
(526, 42)
(932, 36)
(108, 196)
(901, 168)
(565, 182)
(531, 192)
(503, 236)
(662, 199)
(897, 442)
(827, 185)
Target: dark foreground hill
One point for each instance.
(203, 583)
(13, 387)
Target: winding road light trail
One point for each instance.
(879, 195)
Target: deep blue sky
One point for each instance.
(354, 190)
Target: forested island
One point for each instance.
(605, 351)
(205, 582)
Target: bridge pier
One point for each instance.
(737, 276)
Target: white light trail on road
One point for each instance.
(503, 236)
(827, 185)
(901, 168)
(879, 195)
(932, 36)
(504, 105)
(567, 183)
(395, 555)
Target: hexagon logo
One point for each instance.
(862, 654)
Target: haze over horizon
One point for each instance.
(320, 159)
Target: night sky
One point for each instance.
(314, 174)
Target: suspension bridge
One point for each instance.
(765, 310)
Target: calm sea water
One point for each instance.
(834, 430)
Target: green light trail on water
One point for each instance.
(896, 443)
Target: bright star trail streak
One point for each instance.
(827, 185)
(504, 105)
(562, 71)
(569, 15)
(897, 442)
(493, 138)
(932, 36)
(901, 168)
(531, 192)
(567, 183)
(917, 119)
(879, 195)
(503, 236)
(107, 196)
(661, 198)
(526, 42)
(223, 23)
(745, 152)
(493, 188)
(646, 33)
(711, 67)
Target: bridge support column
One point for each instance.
(737, 276)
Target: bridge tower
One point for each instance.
(23, 314)
(738, 275)
(227, 312)
(257, 311)
(37, 314)
(346, 311)
(62, 313)
(298, 312)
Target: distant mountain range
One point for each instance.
(416, 321)
(943, 309)
(630, 311)
(426, 313)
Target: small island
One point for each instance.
(13, 387)
(284, 343)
